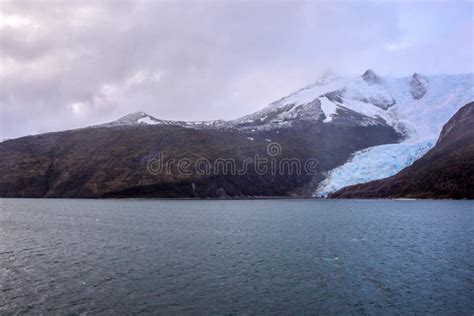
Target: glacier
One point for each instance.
(419, 119)
(373, 163)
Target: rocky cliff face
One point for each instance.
(446, 171)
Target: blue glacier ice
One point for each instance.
(373, 163)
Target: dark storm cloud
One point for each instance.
(76, 63)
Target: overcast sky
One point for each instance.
(68, 64)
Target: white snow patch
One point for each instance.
(329, 108)
(147, 120)
(252, 139)
(366, 109)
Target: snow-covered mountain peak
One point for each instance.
(329, 100)
(371, 90)
(134, 119)
(372, 78)
(138, 118)
(416, 106)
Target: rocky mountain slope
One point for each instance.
(343, 123)
(446, 171)
(115, 161)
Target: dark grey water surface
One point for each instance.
(234, 257)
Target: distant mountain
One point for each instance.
(446, 171)
(142, 118)
(342, 122)
(134, 119)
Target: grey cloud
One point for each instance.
(77, 63)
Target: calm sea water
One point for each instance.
(234, 257)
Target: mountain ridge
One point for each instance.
(446, 171)
(333, 120)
